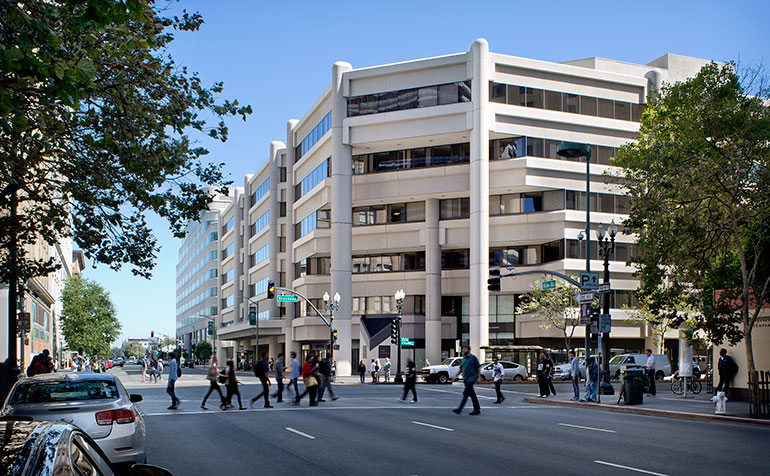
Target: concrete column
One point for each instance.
(275, 210)
(342, 222)
(479, 229)
(288, 330)
(432, 281)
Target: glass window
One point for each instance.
(408, 99)
(531, 202)
(510, 203)
(636, 112)
(415, 211)
(497, 92)
(606, 203)
(605, 155)
(553, 100)
(606, 108)
(622, 203)
(367, 104)
(388, 102)
(427, 96)
(380, 213)
(534, 98)
(571, 200)
(622, 110)
(447, 94)
(353, 109)
(551, 146)
(81, 389)
(571, 103)
(535, 147)
(417, 158)
(553, 200)
(516, 96)
(397, 213)
(494, 204)
(553, 251)
(324, 219)
(454, 208)
(464, 91)
(440, 155)
(588, 106)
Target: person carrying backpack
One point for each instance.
(727, 370)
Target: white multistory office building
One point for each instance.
(421, 176)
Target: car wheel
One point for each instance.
(482, 378)
(517, 378)
(659, 375)
(443, 378)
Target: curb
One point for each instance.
(651, 412)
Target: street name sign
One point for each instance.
(603, 288)
(589, 280)
(549, 284)
(587, 297)
(286, 298)
(406, 342)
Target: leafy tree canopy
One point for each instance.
(88, 320)
(95, 118)
(203, 350)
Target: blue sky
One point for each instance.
(277, 56)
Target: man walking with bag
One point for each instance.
(260, 371)
(326, 372)
(469, 367)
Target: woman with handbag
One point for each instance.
(232, 386)
(212, 376)
(310, 379)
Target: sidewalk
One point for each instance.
(665, 404)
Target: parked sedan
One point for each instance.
(97, 403)
(55, 448)
(511, 371)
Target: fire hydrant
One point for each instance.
(720, 403)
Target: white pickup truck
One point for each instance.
(443, 372)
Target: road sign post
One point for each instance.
(549, 284)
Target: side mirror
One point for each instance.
(149, 470)
(135, 398)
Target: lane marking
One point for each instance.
(630, 468)
(310, 437)
(320, 409)
(587, 428)
(432, 426)
(457, 393)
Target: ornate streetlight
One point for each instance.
(399, 304)
(331, 307)
(606, 248)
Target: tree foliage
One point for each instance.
(698, 178)
(95, 124)
(88, 320)
(203, 351)
(132, 349)
(555, 307)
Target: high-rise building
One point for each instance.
(421, 176)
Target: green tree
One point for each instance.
(95, 124)
(203, 351)
(661, 308)
(698, 177)
(555, 307)
(88, 317)
(132, 349)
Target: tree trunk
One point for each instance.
(13, 288)
(753, 390)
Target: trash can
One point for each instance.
(633, 385)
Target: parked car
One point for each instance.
(662, 364)
(511, 371)
(443, 372)
(119, 362)
(32, 448)
(97, 403)
(562, 371)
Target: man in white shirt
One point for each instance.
(497, 377)
(650, 366)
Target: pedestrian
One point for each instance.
(173, 375)
(294, 373)
(592, 380)
(373, 370)
(469, 367)
(272, 364)
(261, 370)
(549, 365)
(310, 379)
(232, 386)
(727, 369)
(498, 373)
(362, 371)
(542, 376)
(386, 369)
(574, 373)
(411, 380)
(650, 368)
(212, 376)
(144, 369)
(325, 369)
(154, 369)
(280, 373)
(377, 369)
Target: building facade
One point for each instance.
(421, 176)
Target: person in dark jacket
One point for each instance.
(543, 371)
(232, 386)
(727, 369)
(325, 369)
(592, 380)
(362, 371)
(549, 365)
(260, 371)
(411, 380)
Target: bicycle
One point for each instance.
(678, 385)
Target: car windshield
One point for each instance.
(617, 359)
(447, 361)
(44, 392)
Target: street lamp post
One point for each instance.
(606, 247)
(399, 304)
(575, 150)
(331, 307)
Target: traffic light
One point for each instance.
(271, 289)
(335, 335)
(152, 334)
(394, 331)
(493, 283)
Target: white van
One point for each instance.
(662, 365)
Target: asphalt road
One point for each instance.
(367, 431)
